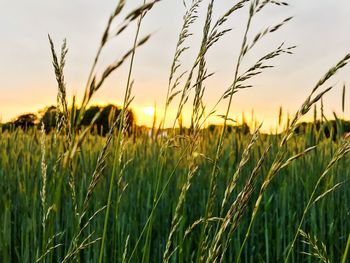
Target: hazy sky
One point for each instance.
(320, 29)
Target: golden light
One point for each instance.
(149, 111)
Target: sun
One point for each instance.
(149, 111)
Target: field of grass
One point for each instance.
(23, 237)
(195, 195)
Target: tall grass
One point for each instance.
(197, 195)
(283, 203)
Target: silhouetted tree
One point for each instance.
(25, 121)
(49, 118)
(107, 116)
(327, 129)
(102, 124)
(241, 129)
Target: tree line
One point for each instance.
(50, 117)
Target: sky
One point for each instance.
(319, 29)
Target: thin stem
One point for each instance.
(119, 138)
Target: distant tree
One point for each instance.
(241, 129)
(49, 118)
(107, 116)
(6, 126)
(48, 115)
(332, 128)
(89, 115)
(25, 121)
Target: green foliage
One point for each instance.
(206, 195)
(21, 235)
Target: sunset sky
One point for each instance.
(320, 29)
